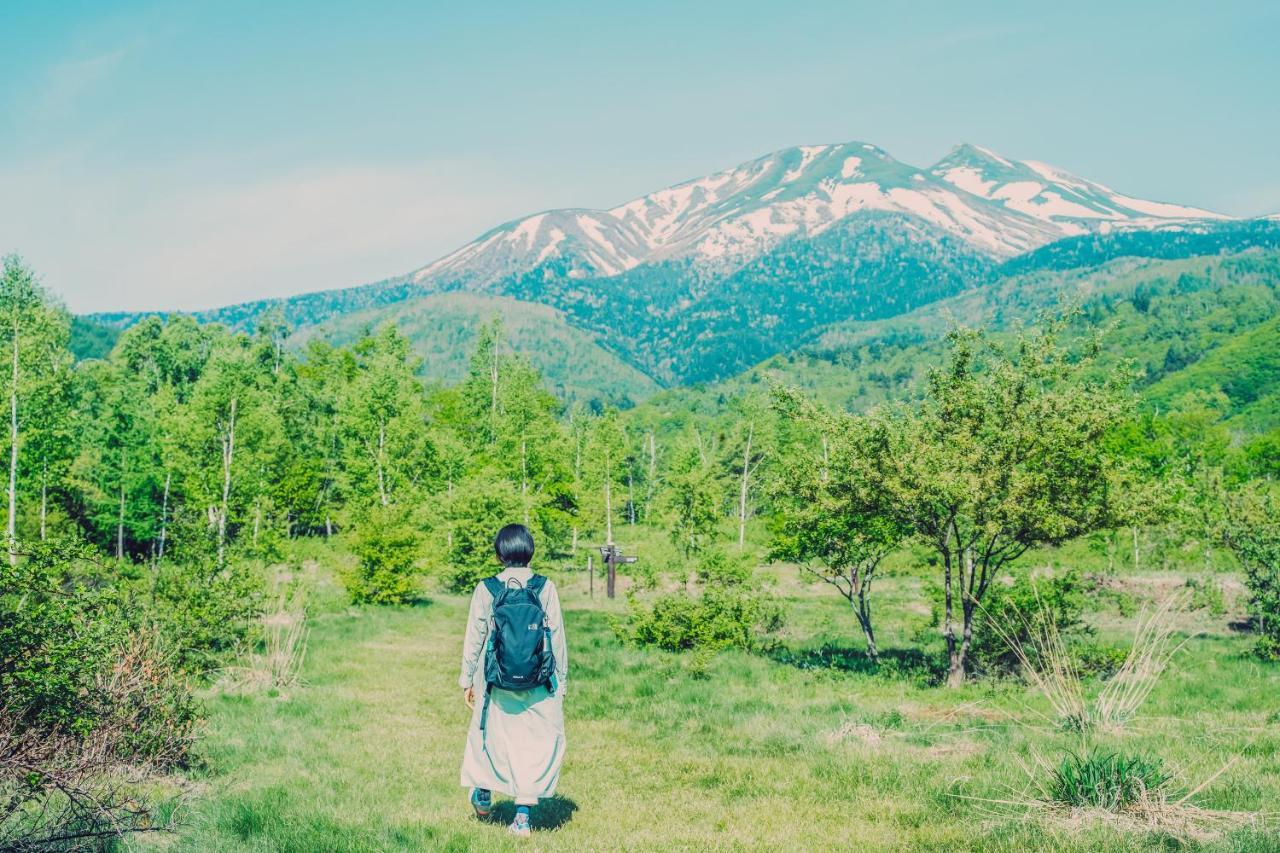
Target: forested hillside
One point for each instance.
(677, 323)
(443, 330)
(1191, 327)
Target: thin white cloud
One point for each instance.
(67, 82)
(157, 241)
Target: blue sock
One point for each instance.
(522, 810)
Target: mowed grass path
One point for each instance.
(762, 755)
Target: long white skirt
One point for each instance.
(521, 752)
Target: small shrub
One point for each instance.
(715, 568)
(58, 632)
(387, 547)
(1252, 532)
(1206, 594)
(90, 710)
(1097, 660)
(717, 619)
(203, 612)
(1013, 608)
(1107, 780)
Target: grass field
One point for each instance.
(799, 750)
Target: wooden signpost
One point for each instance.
(612, 556)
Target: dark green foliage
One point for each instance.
(1091, 250)
(1252, 532)
(59, 630)
(1107, 780)
(1013, 609)
(91, 339)
(719, 618)
(201, 611)
(718, 568)
(388, 549)
(1093, 659)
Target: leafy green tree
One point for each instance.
(693, 497)
(832, 518)
(33, 339)
(604, 467)
(115, 471)
(388, 546)
(388, 453)
(1251, 530)
(232, 440)
(1006, 452)
(478, 508)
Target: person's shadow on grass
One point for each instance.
(551, 813)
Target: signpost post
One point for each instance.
(612, 556)
(591, 579)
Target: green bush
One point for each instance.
(59, 630)
(719, 618)
(1013, 607)
(387, 547)
(1206, 594)
(202, 612)
(1107, 780)
(1252, 532)
(70, 663)
(715, 568)
(1097, 660)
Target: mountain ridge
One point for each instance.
(703, 278)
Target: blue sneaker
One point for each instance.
(481, 801)
(520, 826)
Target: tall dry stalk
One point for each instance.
(285, 635)
(284, 644)
(1154, 646)
(1047, 663)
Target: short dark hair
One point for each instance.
(514, 545)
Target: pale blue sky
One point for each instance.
(183, 155)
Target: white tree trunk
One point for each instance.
(13, 451)
(653, 473)
(745, 486)
(608, 499)
(382, 448)
(44, 503)
(164, 516)
(228, 454)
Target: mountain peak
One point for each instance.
(998, 205)
(968, 153)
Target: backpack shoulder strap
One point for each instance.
(535, 584)
(494, 586)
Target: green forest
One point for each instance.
(1000, 571)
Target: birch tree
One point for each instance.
(388, 454)
(33, 338)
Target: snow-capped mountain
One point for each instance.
(1073, 204)
(999, 207)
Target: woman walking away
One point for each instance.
(514, 666)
